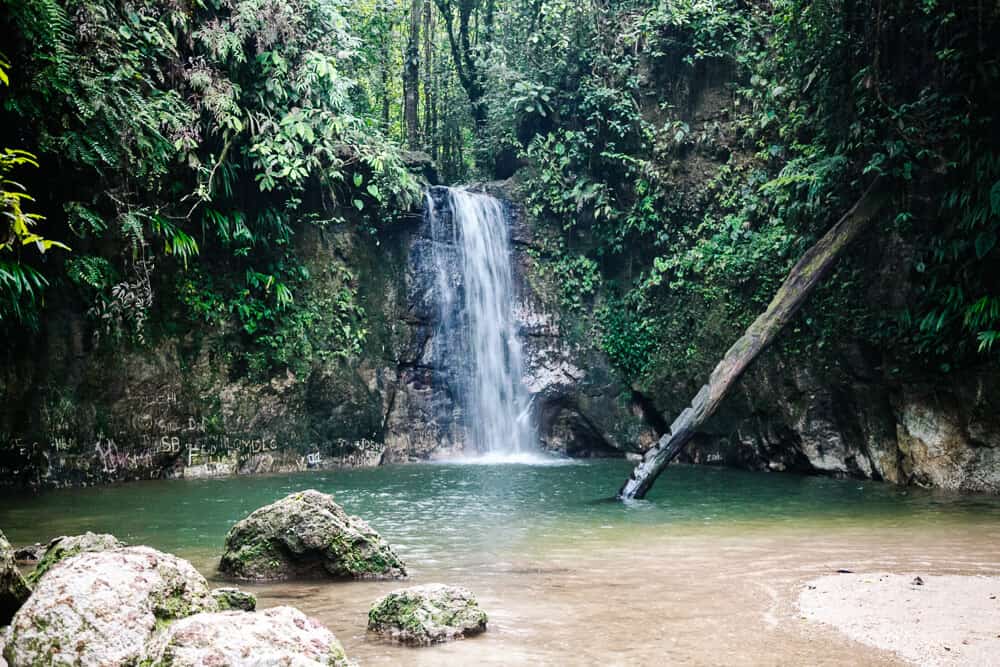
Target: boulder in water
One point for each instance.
(306, 534)
(63, 547)
(427, 615)
(13, 589)
(276, 636)
(101, 608)
(233, 598)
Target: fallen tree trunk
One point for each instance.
(801, 280)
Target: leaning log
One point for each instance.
(802, 279)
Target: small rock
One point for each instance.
(844, 571)
(917, 581)
(63, 547)
(427, 614)
(306, 534)
(276, 636)
(234, 598)
(29, 554)
(13, 589)
(100, 608)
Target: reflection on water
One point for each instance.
(700, 570)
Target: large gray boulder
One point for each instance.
(101, 608)
(13, 590)
(427, 614)
(63, 547)
(306, 534)
(277, 636)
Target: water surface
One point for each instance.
(702, 572)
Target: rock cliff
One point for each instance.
(184, 405)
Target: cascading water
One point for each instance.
(477, 334)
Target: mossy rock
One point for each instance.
(307, 534)
(428, 614)
(63, 547)
(100, 608)
(276, 636)
(234, 598)
(13, 589)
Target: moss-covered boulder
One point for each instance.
(101, 608)
(13, 590)
(235, 599)
(63, 547)
(428, 614)
(277, 636)
(306, 534)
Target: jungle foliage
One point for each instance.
(680, 153)
(686, 152)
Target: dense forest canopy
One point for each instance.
(161, 156)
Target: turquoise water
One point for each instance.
(705, 571)
(479, 512)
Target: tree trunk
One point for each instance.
(801, 280)
(430, 82)
(411, 78)
(462, 53)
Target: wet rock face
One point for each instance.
(64, 547)
(424, 418)
(580, 407)
(854, 422)
(429, 614)
(306, 534)
(277, 636)
(13, 589)
(100, 608)
(173, 409)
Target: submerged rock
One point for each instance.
(13, 589)
(234, 598)
(63, 547)
(427, 615)
(100, 608)
(277, 636)
(306, 534)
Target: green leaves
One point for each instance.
(985, 241)
(20, 284)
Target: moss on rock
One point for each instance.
(306, 534)
(427, 614)
(13, 589)
(235, 599)
(63, 547)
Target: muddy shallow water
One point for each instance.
(706, 571)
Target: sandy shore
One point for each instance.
(946, 620)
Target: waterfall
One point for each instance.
(477, 334)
